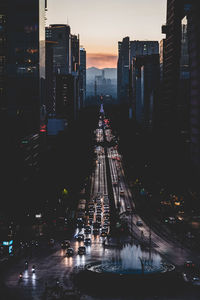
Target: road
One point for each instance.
(52, 263)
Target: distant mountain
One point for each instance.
(108, 73)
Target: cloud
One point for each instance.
(101, 60)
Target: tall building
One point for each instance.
(123, 71)
(75, 71)
(66, 61)
(143, 60)
(170, 101)
(22, 85)
(179, 108)
(50, 81)
(67, 97)
(60, 34)
(194, 59)
(75, 53)
(82, 73)
(146, 79)
(140, 48)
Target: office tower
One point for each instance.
(194, 59)
(22, 85)
(82, 72)
(60, 34)
(123, 71)
(170, 102)
(75, 65)
(140, 48)
(50, 82)
(66, 97)
(75, 55)
(146, 78)
(142, 53)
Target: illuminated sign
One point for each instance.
(8, 243)
(10, 249)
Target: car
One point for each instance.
(121, 192)
(104, 229)
(87, 241)
(106, 222)
(128, 209)
(106, 206)
(96, 225)
(189, 265)
(70, 252)
(103, 234)
(51, 242)
(80, 222)
(80, 237)
(87, 230)
(65, 244)
(106, 213)
(139, 223)
(90, 221)
(96, 231)
(91, 210)
(81, 250)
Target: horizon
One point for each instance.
(99, 68)
(100, 29)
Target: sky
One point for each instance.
(102, 23)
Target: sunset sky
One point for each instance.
(102, 23)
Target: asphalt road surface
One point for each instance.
(52, 263)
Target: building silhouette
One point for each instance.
(123, 71)
(22, 87)
(179, 104)
(82, 73)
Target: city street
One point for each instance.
(52, 263)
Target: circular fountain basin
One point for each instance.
(132, 261)
(128, 269)
(117, 268)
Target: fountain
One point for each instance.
(129, 269)
(132, 261)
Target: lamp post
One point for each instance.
(99, 163)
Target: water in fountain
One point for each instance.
(133, 258)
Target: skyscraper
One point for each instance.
(60, 33)
(144, 78)
(82, 73)
(140, 48)
(123, 71)
(169, 105)
(194, 59)
(22, 85)
(75, 53)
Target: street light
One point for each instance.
(99, 163)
